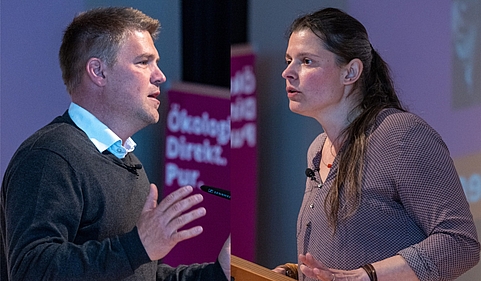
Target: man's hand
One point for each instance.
(158, 224)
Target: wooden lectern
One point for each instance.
(243, 270)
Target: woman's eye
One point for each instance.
(307, 61)
(288, 62)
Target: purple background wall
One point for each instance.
(31, 88)
(415, 38)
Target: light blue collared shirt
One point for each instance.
(101, 136)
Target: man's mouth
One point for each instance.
(154, 95)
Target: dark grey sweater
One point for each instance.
(68, 212)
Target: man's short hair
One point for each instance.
(99, 33)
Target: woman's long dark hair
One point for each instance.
(347, 38)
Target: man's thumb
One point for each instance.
(151, 201)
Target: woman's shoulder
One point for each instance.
(395, 118)
(395, 123)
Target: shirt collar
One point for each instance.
(100, 135)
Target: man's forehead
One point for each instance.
(139, 43)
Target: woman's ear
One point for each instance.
(352, 71)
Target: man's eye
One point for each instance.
(288, 62)
(144, 62)
(307, 61)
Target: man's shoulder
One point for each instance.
(59, 139)
(61, 136)
(55, 135)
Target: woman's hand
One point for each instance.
(288, 269)
(280, 269)
(313, 268)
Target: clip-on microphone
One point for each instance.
(310, 174)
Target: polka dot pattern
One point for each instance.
(412, 204)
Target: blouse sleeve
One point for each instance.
(431, 192)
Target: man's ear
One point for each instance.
(95, 71)
(352, 71)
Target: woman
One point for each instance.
(383, 200)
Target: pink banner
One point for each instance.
(197, 152)
(244, 152)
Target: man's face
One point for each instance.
(133, 83)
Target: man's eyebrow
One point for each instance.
(148, 56)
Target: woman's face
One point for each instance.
(314, 82)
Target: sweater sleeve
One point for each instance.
(43, 212)
(193, 272)
(431, 192)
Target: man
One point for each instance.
(75, 202)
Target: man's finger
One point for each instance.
(184, 219)
(175, 211)
(187, 234)
(174, 197)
